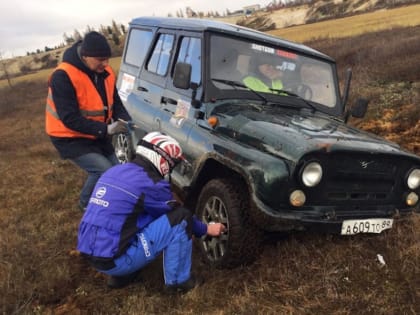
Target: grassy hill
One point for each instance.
(353, 25)
(297, 273)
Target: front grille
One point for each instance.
(356, 196)
(359, 180)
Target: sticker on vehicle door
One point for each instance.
(127, 85)
(181, 113)
(182, 109)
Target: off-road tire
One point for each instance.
(227, 201)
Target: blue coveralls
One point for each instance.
(130, 220)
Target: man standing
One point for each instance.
(132, 218)
(83, 109)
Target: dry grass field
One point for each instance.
(352, 25)
(297, 273)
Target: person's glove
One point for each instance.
(131, 125)
(117, 127)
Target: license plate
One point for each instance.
(377, 225)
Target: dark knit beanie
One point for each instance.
(95, 44)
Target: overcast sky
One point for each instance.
(28, 25)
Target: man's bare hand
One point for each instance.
(215, 229)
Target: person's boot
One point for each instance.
(117, 282)
(184, 287)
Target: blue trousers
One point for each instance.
(159, 236)
(95, 165)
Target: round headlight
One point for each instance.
(413, 180)
(312, 174)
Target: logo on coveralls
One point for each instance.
(99, 194)
(145, 245)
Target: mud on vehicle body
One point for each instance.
(259, 161)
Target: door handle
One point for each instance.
(167, 100)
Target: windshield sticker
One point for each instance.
(287, 66)
(127, 85)
(262, 48)
(286, 54)
(272, 51)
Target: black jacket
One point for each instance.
(67, 107)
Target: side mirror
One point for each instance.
(360, 108)
(182, 75)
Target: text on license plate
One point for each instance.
(377, 225)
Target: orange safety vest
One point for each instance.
(88, 98)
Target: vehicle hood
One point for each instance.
(291, 134)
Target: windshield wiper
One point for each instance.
(236, 84)
(288, 93)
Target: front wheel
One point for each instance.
(226, 201)
(123, 147)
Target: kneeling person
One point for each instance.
(132, 218)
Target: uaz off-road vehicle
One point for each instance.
(259, 161)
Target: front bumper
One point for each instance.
(322, 219)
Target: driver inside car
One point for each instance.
(264, 76)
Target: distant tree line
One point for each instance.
(115, 32)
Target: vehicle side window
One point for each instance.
(161, 55)
(190, 52)
(138, 44)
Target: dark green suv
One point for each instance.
(266, 154)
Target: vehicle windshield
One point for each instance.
(272, 70)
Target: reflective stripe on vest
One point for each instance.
(89, 100)
(257, 85)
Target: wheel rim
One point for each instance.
(122, 148)
(215, 211)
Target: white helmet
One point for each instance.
(162, 150)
